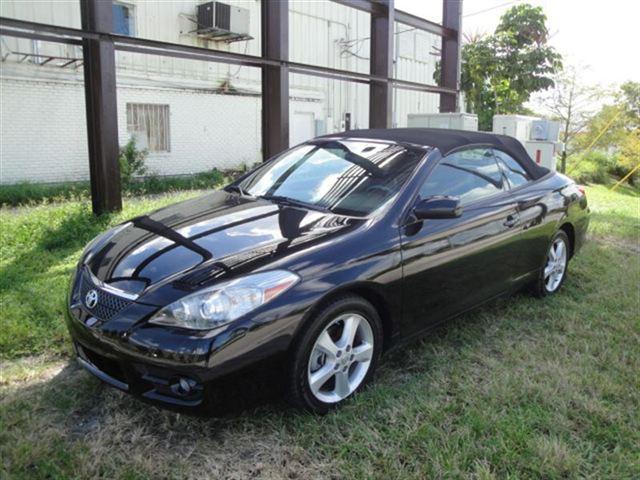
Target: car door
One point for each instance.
(532, 232)
(451, 265)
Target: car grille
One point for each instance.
(108, 304)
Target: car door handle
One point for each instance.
(511, 221)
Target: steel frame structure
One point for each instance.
(99, 47)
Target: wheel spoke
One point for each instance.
(549, 282)
(327, 345)
(548, 269)
(319, 378)
(342, 384)
(560, 251)
(552, 253)
(363, 353)
(349, 331)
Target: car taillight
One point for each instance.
(583, 191)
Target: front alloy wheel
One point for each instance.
(336, 355)
(340, 358)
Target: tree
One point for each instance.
(615, 129)
(502, 70)
(570, 103)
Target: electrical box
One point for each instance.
(516, 126)
(538, 135)
(543, 153)
(545, 130)
(452, 121)
(218, 17)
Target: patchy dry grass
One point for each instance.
(522, 388)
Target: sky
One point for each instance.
(600, 37)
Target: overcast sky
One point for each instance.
(603, 35)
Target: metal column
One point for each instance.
(381, 64)
(275, 78)
(102, 108)
(450, 59)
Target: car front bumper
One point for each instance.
(178, 369)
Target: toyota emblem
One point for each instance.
(91, 299)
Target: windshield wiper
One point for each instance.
(280, 199)
(237, 189)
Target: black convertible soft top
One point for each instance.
(447, 140)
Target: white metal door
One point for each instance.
(302, 127)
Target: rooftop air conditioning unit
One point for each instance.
(214, 17)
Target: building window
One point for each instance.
(123, 23)
(148, 123)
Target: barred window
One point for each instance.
(148, 123)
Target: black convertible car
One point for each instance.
(317, 261)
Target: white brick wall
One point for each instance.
(43, 130)
(207, 130)
(43, 134)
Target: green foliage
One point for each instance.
(27, 193)
(616, 129)
(132, 162)
(590, 167)
(200, 181)
(32, 193)
(501, 71)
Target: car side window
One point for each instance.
(468, 174)
(514, 172)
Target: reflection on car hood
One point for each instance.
(217, 235)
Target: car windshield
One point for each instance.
(348, 177)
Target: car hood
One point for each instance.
(200, 241)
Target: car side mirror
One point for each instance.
(438, 207)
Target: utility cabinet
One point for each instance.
(452, 121)
(538, 135)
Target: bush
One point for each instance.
(26, 193)
(154, 184)
(590, 167)
(132, 162)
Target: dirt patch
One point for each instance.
(621, 243)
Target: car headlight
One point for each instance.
(218, 305)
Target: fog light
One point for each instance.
(183, 386)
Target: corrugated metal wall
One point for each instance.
(206, 128)
(321, 33)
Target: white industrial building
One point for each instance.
(192, 115)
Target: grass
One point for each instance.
(27, 193)
(40, 248)
(521, 388)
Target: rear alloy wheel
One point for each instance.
(555, 269)
(337, 355)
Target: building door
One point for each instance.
(302, 128)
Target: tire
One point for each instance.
(323, 352)
(549, 283)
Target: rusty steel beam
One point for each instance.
(450, 55)
(381, 65)
(275, 78)
(101, 107)
(374, 7)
